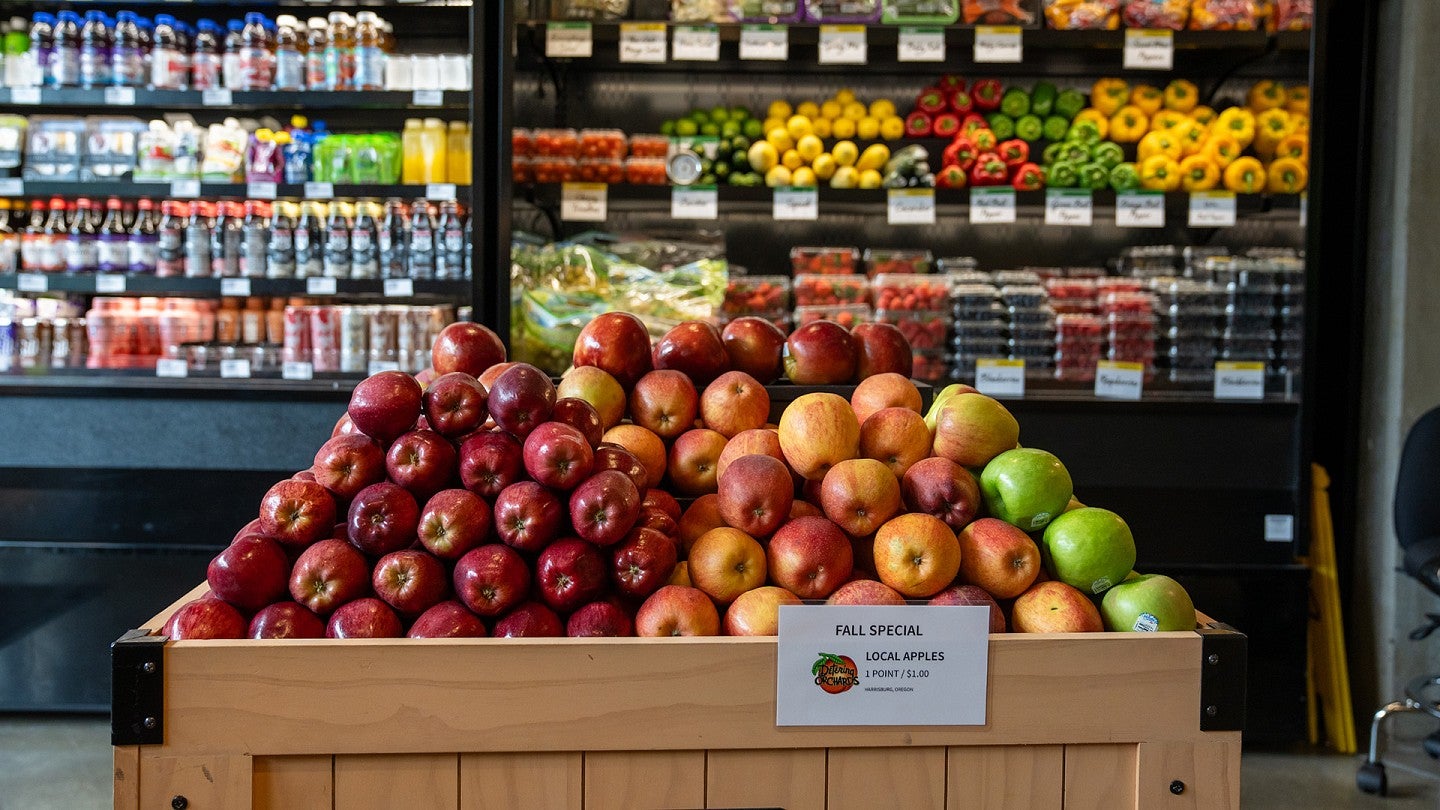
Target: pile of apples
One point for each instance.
(481, 499)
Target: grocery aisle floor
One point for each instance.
(63, 763)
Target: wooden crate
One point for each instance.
(1109, 721)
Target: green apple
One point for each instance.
(1026, 487)
(1148, 603)
(1088, 548)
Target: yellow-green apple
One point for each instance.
(940, 487)
(286, 620)
(456, 404)
(597, 387)
(859, 494)
(521, 400)
(694, 348)
(693, 459)
(385, 405)
(529, 620)
(881, 348)
(676, 610)
(896, 437)
(754, 346)
(998, 557)
(1027, 488)
(490, 462)
(383, 518)
(757, 612)
(421, 461)
(865, 592)
(665, 403)
(570, 573)
(810, 557)
(327, 575)
(528, 517)
(601, 619)
(409, 581)
(972, 595)
(755, 494)
(491, 579)
(1090, 549)
(646, 446)
(205, 618)
(820, 353)
(1054, 607)
(971, 429)
(733, 403)
(452, 522)
(615, 457)
(702, 516)
(558, 456)
(581, 415)
(250, 573)
(681, 575)
(1148, 603)
(617, 343)
(297, 513)
(758, 442)
(642, 562)
(662, 500)
(887, 390)
(818, 431)
(725, 563)
(916, 554)
(951, 390)
(364, 618)
(604, 507)
(467, 347)
(448, 619)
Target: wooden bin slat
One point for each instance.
(1100, 777)
(1205, 766)
(644, 780)
(386, 781)
(790, 778)
(1031, 776)
(281, 783)
(543, 781)
(867, 778)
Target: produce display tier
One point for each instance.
(671, 723)
(362, 4)
(213, 287)
(83, 382)
(141, 98)
(129, 190)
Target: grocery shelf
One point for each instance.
(221, 102)
(214, 287)
(141, 381)
(129, 190)
(328, 4)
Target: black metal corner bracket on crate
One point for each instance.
(137, 689)
(1222, 678)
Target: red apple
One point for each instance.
(329, 574)
(940, 487)
(491, 579)
(755, 494)
(998, 557)
(702, 516)
(733, 403)
(881, 349)
(617, 343)
(581, 415)
(558, 456)
(605, 507)
(818, 431)
(694, 348)
(917, 555)
(646, 446)
(810, 557)
(344, 426)
(205, 618)
(972, 595)
(530, 620)
(425, 376)
(250, 573)
(820, 353)
(1054, 607)
(488, 377)
(896, 437)
(693, 461)
(286, 620)
(448, 620)
(456, 404)
(385, 405)
(383, 518)
(865, 592)
(657, 519)
(598, 388)
(859, 495)
(489, 462)
(600, 619)
(453, 522)
(253, 527)
(364, 618)
(297, 513)
(348, 463)
(467, 347)
(725, 563)
(615, 457)
(800, 509)
(642, 562)
(759, 442)
(676, 610)
(660, 499)
(522, 399)
(421, 461)
(528, 516)
(410, 581)
(754, 345)
(570, 573)
(757, 612)
(885, 390)
(665, 403)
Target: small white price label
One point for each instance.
(24, 95)
(843, 45)
(921, 45)
(1239, 380)
(399, 288)
(319, 191)
(568, 39)
(440, 192)
(263, 190)
(427, 98)
(185, 189)
(1000, 378)
(238, 369)
(1069, 206)
(318, 285)
(297, 370)
(377, 366)
(695, 43)
(109, 283)
(694, 202)
(990, 206)
(32, 282)
(642, 42)
(999, 43)
(217, 97)
(1149, 49)
(910, 206)
(11, 187)
(1279, 528)
(584, 202)
(769, 43)
(120, 96)
(171, 367)
(1212, 209)
(1115, 379)
(1140, 209)
(792, 203)
(236, 287)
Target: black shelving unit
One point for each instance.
(130, 190)
(88, 284)
(227, 102)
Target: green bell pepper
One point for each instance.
(1083, 132)
(1042, 99)
(1075, 152)
(1015, 102)
(1002, 125)
(1125, 177)
(1108, 154)
(1054, 153)
(1094, 176)
(1055, 128)
(1062, 175)
(1069, 104)
(1030, 127)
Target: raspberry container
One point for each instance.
(827, 260)
(1071, 294)
(1078, 346)
(888, 260)
(831, 290)
(767, 296)
(602, 143)
(925, 330)
(846, 316)
(909, 291)
(557, 143)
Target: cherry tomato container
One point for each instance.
(830, 290)
(828, 260)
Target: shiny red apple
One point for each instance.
(329, 574)
(570, 573)
(385, 405)
(297, 513)
(467, 347)
(489, 462)
(491, 579)
(521, 399)
(528, 516)
(558, 456)
(882, 349)
(754, 346)
(694, 348)
(286, 620)
(456, 404)
(820, 353)
(348, 463)
(421, 461)
(383, 518)
(364, 618)
(605, 507)
(617, 343)
(448, 620)
(409, 581)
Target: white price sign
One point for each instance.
(584, 202)
(921, 45)
(319, 191)
(843, 45)
(770, 43)
(910, 206)
(264, 190)
(1000, 378)
(440, 192)
(642, 42)
(989, 206)
(694, 202)
(882, 665)
(216, 97)
(185, 189)
(109, 283)
(14, 187)
(999, 43)
(1115, 379)
(1069, 206)
(1279, 528)
(297, 370)
(695, 43)
(120, 96)
(427, 98)
(568, 39)
(234, 369)
(24, 95)
(171, 367)
(398, 287)
(32, 282)
(238, 287)
(1239, 380)
(1140, 209)
(1149, 49)
(377, 366)
(793, 203)
(319, 286)
(1212, 209)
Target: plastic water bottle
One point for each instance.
(127, 63)
(369, 58)
(95, 45)
(65, 59)
(289, 56)
(317, 39)
(206, 66)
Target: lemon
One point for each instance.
(882, 108)
(809, 109)
(799, 126)
(845, 153)
(772, 123)
(855, 111)
(892, 128)
(779, 109)
(845, 177)
(831, 109)
(843, 128)
(791, 160)
(874, 157)
(822, 127)
(824, 166)
(870, 179)
(809, 147)
(845, 95)
(777, 176)
(780, 138)
(762, 156)
(804, 177)
(868, 129)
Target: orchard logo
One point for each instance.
(835, 673)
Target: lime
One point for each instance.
(686, 128)
(731, 129)
(709, 130)
(739, 113)
(719, 115)
(667, 128)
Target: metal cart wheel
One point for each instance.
(1371, 779)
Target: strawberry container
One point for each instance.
(1071, 294)
(847, 316)
(920, 293)
(828, 260)
(926, 331)
(831, 290)
(602, 143)
(557, 143)
(766, 296)
(649, 146)
(889, 260)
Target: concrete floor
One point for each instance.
(63, 763)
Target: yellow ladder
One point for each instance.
(1327, 675)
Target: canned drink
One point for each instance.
(295, 340)
(354, 330)
(325, 337)
(384, 328)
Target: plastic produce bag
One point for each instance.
(1082, 15)
(943, 12)
(589, 9)
(695, 11)
(1293, 15)
(1226, 15)
(842, 11)
(1171, 14)
(766, 11)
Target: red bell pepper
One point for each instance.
(947, 125)
(961, 152)
(952, 82)
(950, 177)
(1028, 177)
(931, 100)
(961, 103)
(918, 125)
(987, 94)
(1014, 151)
(989, 170)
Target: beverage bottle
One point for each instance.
(316, 40)
(207, 66)
(364, 250)
(392, 241)
(280, 252)
(265, 160)
(412, 165)
(457, 157)
(432, 149)
(225, 240)
(289, 54)
(256, 65)
(387, 37)
(9, 239)
(80, 248)
(50, 246)
(297, 157)
(95, 47)
(369, 55)
(309, 241)
(197, 241)
(230, 61)
(112, 248)
(450, 243)
(421, 258)
(127, 64)
(169, 64)
(254, 241)
(65, 58)
(30, 237)
(144, 236)
(17, 45)
(41, 50)
(340, 53)
(147, 47)
(336, 258)
(469, 248)
(170, 239)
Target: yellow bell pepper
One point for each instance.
(1094, 116)
(1109, 95)
(1181, 95)
(1129, 124)
(1265, 95)
(1297, 100)
(1204, 115)
(1199, 173)
(1296, 147)
(1167, 119)
(1160, 173)
(1192, 136)
(1245, 176)
(1147, 98)
(1223, 149)
(1238, 123)
(1287, 176)
(1299, 125)
(1271, 127)
(1160, 143)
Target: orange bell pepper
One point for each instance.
(1294, 146)
(1129, 124)
(1199, 173)
(1181, 96)
(1147, 98)
(1265, 95)
(1160, 173)
(1287, 176)
(1245, 176)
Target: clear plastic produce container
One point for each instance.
(767, 11)
(842, 11)
(600, 170)
(557, 143)
(649, 146)
(846, 316)
(831, 290)
(924, 330)
(921, 293)
(602, 143)
(829, 260)
(589, 9)
(890, 260)
(756, 295)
